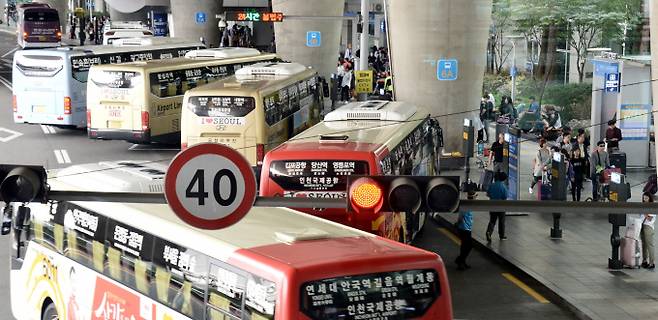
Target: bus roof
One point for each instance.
(357, 133)
(247, 84)
(157, 43)
(258, 231)
(174, 63)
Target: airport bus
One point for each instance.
(115, 30)
(50, 85)
(262, 106)
(141, 102)
(360, 138)
(37, 26)
(101, 260)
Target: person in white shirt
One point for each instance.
(348, 52)
(347, 83)
(646, 235)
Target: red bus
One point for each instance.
(101, 260)
(38, 26)
(361, 138)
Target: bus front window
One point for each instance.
(221, 106)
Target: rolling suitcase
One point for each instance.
(486, 178)
(618, 159)
(544, 188)
(631, 252)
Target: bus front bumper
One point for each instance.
(134, 136)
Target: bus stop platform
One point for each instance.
(574, 268)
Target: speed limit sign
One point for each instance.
(210, 186)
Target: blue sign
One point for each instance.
(512, 71)
(612, 82)
(603, 67)
(447, 70)
(513, 174)
(313, 39)
(160, 24)
(200, 17)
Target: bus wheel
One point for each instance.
(50, 312)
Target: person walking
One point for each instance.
(647, 235)
(497, 191)
(484, 117)
(346, 84)
(599, 161)
(613, 136)
(540, 163)
(565, 143)
(582, 143)
(578, 166)
(496, 154)
(464, 229)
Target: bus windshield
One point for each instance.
(39, 65)
(315, 178)
(34, 15)
(369, 296)
(221, 106)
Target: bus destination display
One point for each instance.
(381, 296)
(315, 178)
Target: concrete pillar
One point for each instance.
(99, 5)
(290, 35)
(423, 31)
(185, 24)
(62, 10)
(653, 22)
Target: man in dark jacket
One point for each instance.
(497, 191)
(613, 136)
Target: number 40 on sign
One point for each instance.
(210, 186)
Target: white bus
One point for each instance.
(119, 261)
(50, 85)
(125, 29)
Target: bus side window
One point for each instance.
(142, 271)
(162, 278)
(71, 249)
(98, 254)
(114, 263)
(58, 231)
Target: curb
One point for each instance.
(555, 294)
(8, 31)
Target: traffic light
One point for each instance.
(23, 183)
(403, 193)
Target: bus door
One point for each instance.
(119, 104)
(34, 100)
(226, 120)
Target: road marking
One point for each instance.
(10, 52)
(48, 129)
(6, 83)
(524, 287)
(451, 236)
(12, 135)
(62, 156)
(151, 147)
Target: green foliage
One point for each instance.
(574, 99)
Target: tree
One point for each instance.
(501, 25)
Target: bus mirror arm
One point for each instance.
(22, 221)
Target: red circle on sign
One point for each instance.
(232, 155)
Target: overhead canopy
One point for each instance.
(130, 6)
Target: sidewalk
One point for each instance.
(574, 267)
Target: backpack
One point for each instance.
(652, 185)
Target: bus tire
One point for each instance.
(49, 311)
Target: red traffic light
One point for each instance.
(366, 194)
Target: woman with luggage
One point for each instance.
(646, 234)
(540, 163)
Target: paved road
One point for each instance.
(56, 148)
(490, 289)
